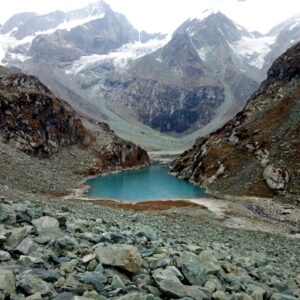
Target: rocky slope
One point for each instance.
(59, 250)
(256, 153)
(36, 122)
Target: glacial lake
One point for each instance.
(150, 183)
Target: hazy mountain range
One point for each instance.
(197, 78)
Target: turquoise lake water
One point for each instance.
(150, 183)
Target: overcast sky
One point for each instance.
(167, 15)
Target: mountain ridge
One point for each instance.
(254, 154)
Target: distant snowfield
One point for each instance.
(254, 49)
(121, 57)
(8, 41)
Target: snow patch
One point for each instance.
(202, 52)
(69, 24)
(206, 13)
(294, 25)
(254, 50)
(8, 41)
(121, 57)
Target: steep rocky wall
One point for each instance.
(256, 153)
(34, 120)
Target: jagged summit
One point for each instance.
(206, 13)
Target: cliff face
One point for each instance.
(34, 120)
(170, 90)
(257, 152)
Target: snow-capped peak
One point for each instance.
(206, 13)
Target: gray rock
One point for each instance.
(21, 207)
(64, 296)
(16, 236)
(87, 258)
(4, 256)
(29, 261)
(179, 290)
(117, 283)
(209, 262)
(166, 274)
(219, 295)
(97, 280)
(7, 282)
(137, 296)
(168, 283)
(46, 275)
(194, 273)
(36, 296)
(278, 296)
(122, 256)
(147, 231)
(276, 178)
(7, 214)
(25, 246)
(31, 284)
(47, 229)
(65, 244)
(186, 257)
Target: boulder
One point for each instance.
(194, 273)
(16, 236)
(275, 177)
(25, 246)
(4, 256)
(30, 284)
(47, 229)
(7, 214)
(146, 231)
(7, 282)
(178, 290)
(125, 257)
(94, 279)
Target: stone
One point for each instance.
(29, 261)
(7, 214)
(21, 207)
(64, 296)
(209, 262)
(97, 280)
(31, 284)
(164, 274)
(87, 258)
(117, 283)
(138, 296)
(47, 229)
(25, 246)
(278, 296)
(65, 244)
(4, 256)
(7, 282)
(275, 177)
(176, 289)
(46, 275)
(159, 263)
(36, 296)
(219, 295)
(186, 257)
(16, 236)
(126, 257)
(194, 273)
(146, 231)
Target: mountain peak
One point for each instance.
(206, 13)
